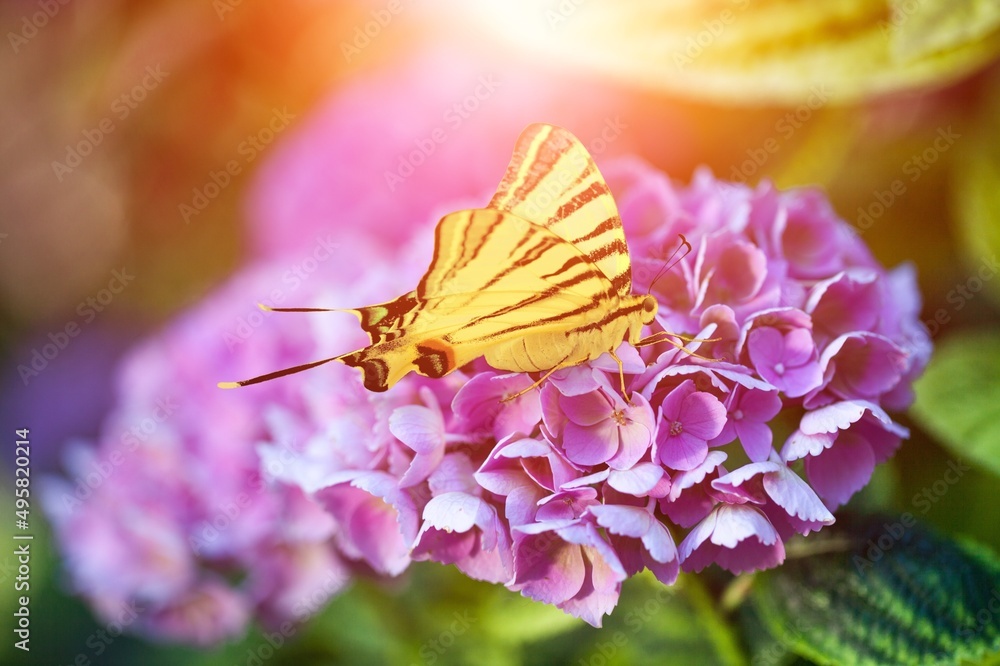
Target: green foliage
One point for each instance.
(976, 197)
(956, 397)
(786, 52)
(885, 592)
(681, 623)
(930, 26)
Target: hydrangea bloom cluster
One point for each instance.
(718, 452)
(170, 524)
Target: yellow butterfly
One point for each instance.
(537, 281)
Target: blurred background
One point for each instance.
(151, 150)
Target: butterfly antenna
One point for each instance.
(274, 375)
(672, 260)
(268, 308)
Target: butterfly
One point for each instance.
(537, 281)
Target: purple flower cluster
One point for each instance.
(720, 451)
(724, 447)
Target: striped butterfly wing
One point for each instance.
(548, 255)
(494, 277)
(553, 181)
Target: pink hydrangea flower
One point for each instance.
(560, 494)
(600, 427)
(688, 420)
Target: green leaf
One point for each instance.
(763, 53)
(682, 623)
(884, 592)
(956, 397)
(922, 27)
(976, 199)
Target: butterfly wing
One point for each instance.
(494, 277)
(553, 181)
(547, 256)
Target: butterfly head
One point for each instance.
(649, 307)
(641, 316)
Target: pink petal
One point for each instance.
(587, 409)
(759, 405)
(800, 445)
(590, 445)
(799, 347)
(755, 438)
(767, 346)
(702, 415)
(833, 417)
(744, 483)
(599, 594)
(547, 570)
(637, 481)
(865, 365)
(672, 404)
(681, 452)
(736, 537)
(849, 301)
(636, 439)
(458, 512)
(630, 521)
(689, 507)
(843, 469)
(690, 478)
(420, 428)
(575, 381)
(798, 500)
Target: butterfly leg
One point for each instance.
(548, 373)
(621, 374)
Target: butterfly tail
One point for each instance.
(386, 363)
(386, 321)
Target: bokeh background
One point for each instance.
(150, 150)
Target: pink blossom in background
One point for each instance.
(173, 501)
(389, 151)
(560, 494)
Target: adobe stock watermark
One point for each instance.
(121, 108)
(916, 166)
(962, 294)
(224, 7)
(87, 311)
(893, 531)
(101, 639)
(304, 609)
(785, 127)
(899, 14)
(711, 30)
(984, 617)
(778, 651)
(293, 278)
(568, 169)
(562, 12)
(248, 149)
(433, 649)
(227, 513)
(453, 117)
(86, 482)
(364, 34)
(636, 619)
(30, 25)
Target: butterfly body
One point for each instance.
(539, 352)
(538, 280)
